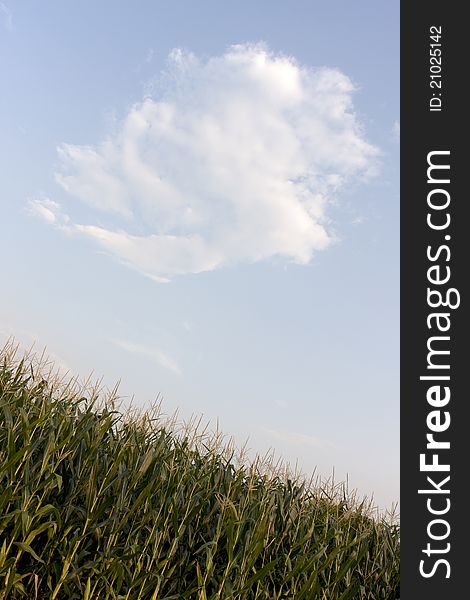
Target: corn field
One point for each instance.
(99, 504)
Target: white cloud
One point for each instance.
(154, 354)
(232, 159)
(46, 209)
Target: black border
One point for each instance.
(423, 131)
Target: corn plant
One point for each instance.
(99, 504)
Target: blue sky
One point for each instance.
(201, 200)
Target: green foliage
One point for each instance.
(98, 505)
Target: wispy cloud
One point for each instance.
(7, 17)
(359, 220)
(154, 354)
(46, 209)
(298, 439)
(149, 56)
(31, 343)
(186, 325)
(228, 160)
(396, 130)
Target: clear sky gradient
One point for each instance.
(200, 199)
